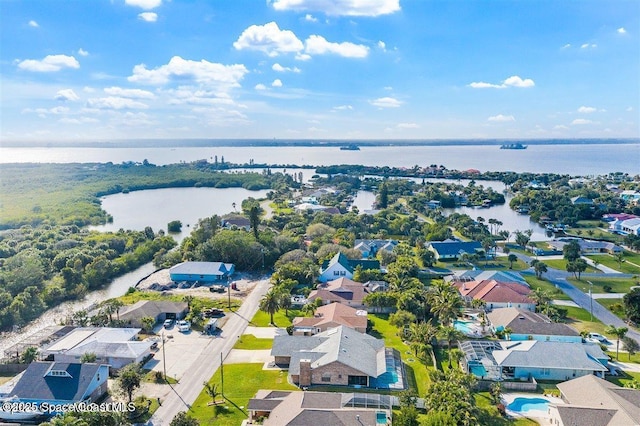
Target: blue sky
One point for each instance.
(319, 69)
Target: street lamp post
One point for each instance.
(164, 358)
(229, 292)
(591, 299)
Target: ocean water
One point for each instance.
(573, 159)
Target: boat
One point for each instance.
(7, 414)
(513, 146)
(351, 147)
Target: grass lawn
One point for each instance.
(561, 264)
(242, 381)
(202, 302)
(489, 415)
(624, 356)
(579, 319)
(618, 285)
(249, 341)
(623, 379)
(417, 375)
(501, 263)
(262, 319)
(545, 285)
(5, 379)
(628, 266)
(613, 305)
(151, 377)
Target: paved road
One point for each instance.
(190, 385)
(582, 299)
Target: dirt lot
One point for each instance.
(160, 281)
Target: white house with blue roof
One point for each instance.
(204, 272)
(452, 250)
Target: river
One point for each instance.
(573, 159)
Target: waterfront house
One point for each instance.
(496, 294)
(61, 383)
(342, 290)
(452, 250)
(524, 360)
(581, 201)
(630, 196)
(202, 272)
(116, 347)
(286, 408)
(630, 227)
(235, 222)
(587, 246)
(330, 316)
(590, 400)
(338, 356)
(527, 325)
(480, 275)
(159, 310)
(341, 266)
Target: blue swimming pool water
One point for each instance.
(525, 404)
(463, 326)
(478, 370)
(381, 418)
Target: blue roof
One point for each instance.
(36, 384)
(455, 247)
(202, 268)
(350, 264)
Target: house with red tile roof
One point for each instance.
(497, 294)
(330, 316)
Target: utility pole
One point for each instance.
(164, 358)
(229, 292)
(221, 374)
(591, 298)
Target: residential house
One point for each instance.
(587, 246)
(285, 408)
(313, 208)
(480, 275)
(590, 400)
(341, 266)
(236, 222)
(527, 325)
(630, 227)
(159, 310)
(496, 294)
(116, 347)
(581, 201)
(57, 383)
(343, 291)
(630, 196)
(338, 356)
(330, 316)
(369, 248)
(523, 360)
(203, 272)
(452, 250)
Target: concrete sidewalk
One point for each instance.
(265, 332)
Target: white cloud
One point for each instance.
(408, 126)
(280, 68)
(586, 110)
(343, 108)
(50, 63)
(560, 127)
(566, 46)
(203, 72)
(621, 30)
(34, 24)
(148, 16)
(144, 4)
(114, 102)
(129, 93)
(513, 81)
(260, 86)
(88, 89)
(382, 45)
(340, 7)
(386, 102)
(79, 120)
(270, 39)
(501, 118)
(316, 44)
(629, 109)
(580, 121)
(309, 18)
(82, 52)
(588, 46)
(276, 83)
(66, 95)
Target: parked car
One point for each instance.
(184, 325)
(597, 337)
(168, 323)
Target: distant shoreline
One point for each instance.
(178, 143)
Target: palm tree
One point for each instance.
(541, 297)
(619, 258)
(445, 302)
(285, 301)
(29, 355)
(270, 303)
(619, 332)
(540, 268)
(211, 390)
(450, 334)
(512, 258)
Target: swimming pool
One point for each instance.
(525, 404)
(464, 326)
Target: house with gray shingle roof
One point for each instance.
(341, 290)
(331, 316)
(156, 309)
(591, 401)
(451, 250)
(61, 383)
(527, 325)
(341, 266)
(338, 356)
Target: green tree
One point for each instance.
(450, 393)
(619, 257)
(523, 238)
(512, 258)
(175, 226)
(211, 389)
(408, 414)
(630, 345)
(270, 303)
(383, 196)
(571, 251)
(619, 332)
(631, 302)
(401, 319)
(438, 418)
(29, 355)
(540, 268)
(445, 301)
(129, 380)
(254, 219)
(148, 323)
(183, 419)
(88, 357)
(451, 335)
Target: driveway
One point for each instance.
(249, 356)
(265, 332)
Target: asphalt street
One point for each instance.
(187, 390)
